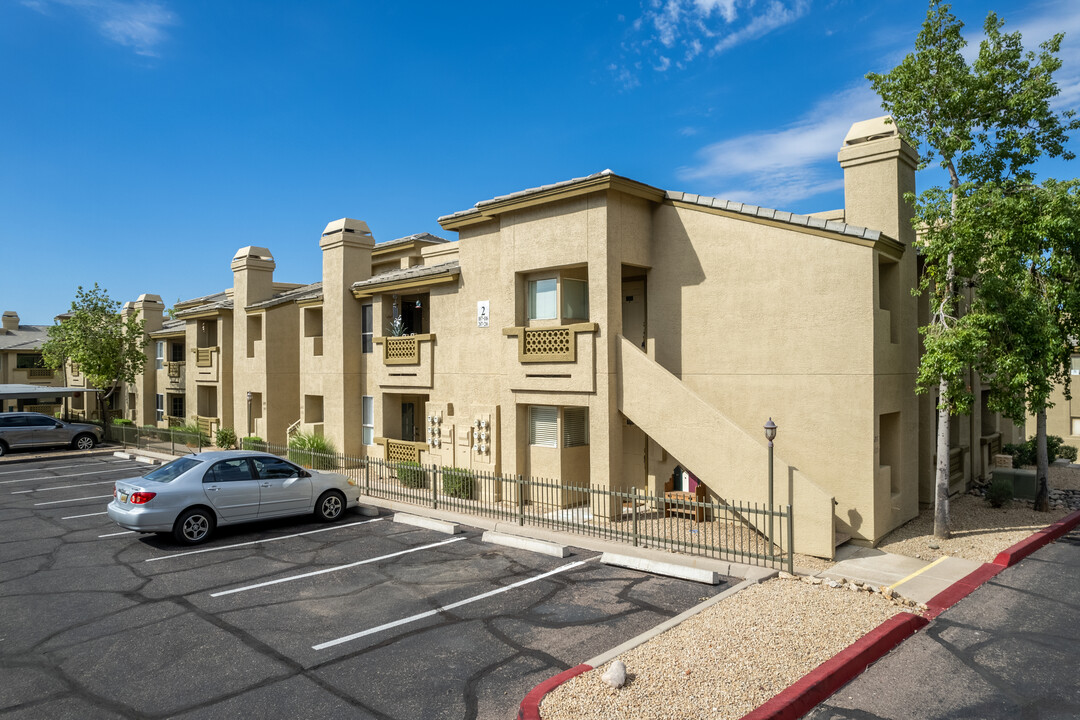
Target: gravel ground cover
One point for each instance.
(737, 654)
(730, 658)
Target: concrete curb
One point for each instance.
(102, 449)
(831, 675)
(960, 589)
(1010, 556)
(530, 706)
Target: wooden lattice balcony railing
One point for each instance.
(175, 368)
(401, 450)
(549, 344)
(39, 372)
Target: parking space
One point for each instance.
(288, 618)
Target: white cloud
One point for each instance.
(781, 166)
(137, 24)
(685, 29)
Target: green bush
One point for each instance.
(253, 442)
(459, 483)
(122, 421)
(1000, 492)
(225, 438)
(411, 474)
(1025, 454)
(312, 451)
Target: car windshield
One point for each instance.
(168, 473)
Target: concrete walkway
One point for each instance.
(915, 579)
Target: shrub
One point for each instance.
(411, 474)
(253, 442)
(1025, 454)
(313, 451)
(188, 433)
(225, 438)
(1000, 491)
(459, 483)
(122, 421)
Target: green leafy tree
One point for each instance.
(985, 124)
(108, 348)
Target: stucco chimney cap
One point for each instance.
(866, 131)
(150, 298)
(347, 225)
(252, 251)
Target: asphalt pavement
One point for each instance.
(1011, 649)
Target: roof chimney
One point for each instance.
(11, 321)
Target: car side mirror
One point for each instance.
(59, 425)
(305, 473)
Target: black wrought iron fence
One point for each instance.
(732, 531)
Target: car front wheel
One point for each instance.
(84, 442)
(3, 448)
(194, 526)
(330, 506)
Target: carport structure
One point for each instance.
(16, 391)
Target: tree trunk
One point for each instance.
(1042, 464)
(941, 483)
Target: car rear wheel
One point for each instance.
(3, 448)
(330, 506)
(84, 442)
(194, 526)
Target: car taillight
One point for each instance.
(140, 498)
(114, 491)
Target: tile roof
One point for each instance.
(304, 292)
(700, 200)
(417, 271)
(27, 337)
(420, 237)
(170, 326)
(217, 301)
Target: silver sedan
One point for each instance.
(192, 495)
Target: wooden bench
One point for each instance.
(681, 502)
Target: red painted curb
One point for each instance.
(960, 589)
(1019, 551)
(831, 675)
(530, 706)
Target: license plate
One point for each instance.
(123, 497)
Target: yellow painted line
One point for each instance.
(920, 571)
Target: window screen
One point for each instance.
(542, 295)
(543, 425)
(575, 426)
(575, 299)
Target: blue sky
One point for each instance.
(142, 143)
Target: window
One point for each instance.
(368, 420)
(159, 406)
(1075, 365)
(176, 351)
(1076, 426)
(274, 468)
(575, 426)
(177, 406)
(229, 471)
(542, 295)
(366, 328)
(543, 425)
(575, 299)
(159, 359)
(28, 360)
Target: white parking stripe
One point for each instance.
(265, 540)
(61, 477)
(451, 606)
(126, 532)
(60, 467)
(334, 569)
(92, 497)
(61, 487)
(72, 517)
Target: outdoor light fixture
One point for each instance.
(770, 435)
(770, 431)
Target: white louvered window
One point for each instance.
(543, 425)
(575, 426)
(367, 404)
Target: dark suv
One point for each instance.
(31, 429)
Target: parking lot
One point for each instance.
(290, 618)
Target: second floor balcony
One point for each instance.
(207, 362)
(405, 361)
(553, 358)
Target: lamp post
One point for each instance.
(249, 413)
(770, 435)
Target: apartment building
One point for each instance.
(601, 330)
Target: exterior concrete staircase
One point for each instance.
(731, 462)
